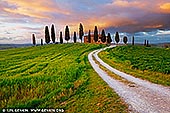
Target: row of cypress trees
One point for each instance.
(125, 39)
(67, 34)
(81, 33)
(103, 36)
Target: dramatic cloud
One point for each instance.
(20, 18)
(165, 7)
(32, 8)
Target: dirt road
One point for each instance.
(142, 96)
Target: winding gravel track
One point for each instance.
(142, 97)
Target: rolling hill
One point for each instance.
(55, 76)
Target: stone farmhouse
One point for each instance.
(92, 39)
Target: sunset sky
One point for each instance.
(148, 19)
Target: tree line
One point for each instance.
(52, 37)
(103, 38)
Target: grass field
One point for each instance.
(55, 76)
(152, 64)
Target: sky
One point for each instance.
(145, 19)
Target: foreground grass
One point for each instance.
(54, 76)
(151, 64)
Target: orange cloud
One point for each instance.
(23, 11)
(154, 26)
(165, 7)
(124, 3)
(32, 8)
(121, 3)
(159, 6)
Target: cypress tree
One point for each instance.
(95, 34)
(75, 37)
(89, 37)
(67, 34)
(109, 40)
(145, 42)
(47, 35)
(53, 33)
(133, 40)
(61, 38)
(41, 41)
(125, 39)
(103, 36)
(81, 33)
(33, 39)
(117, 39)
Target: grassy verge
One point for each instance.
(55, 76)
(151, 64)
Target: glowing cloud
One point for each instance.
(165, 7)
(38, 9)
(153, 26)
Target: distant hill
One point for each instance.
(8, 46)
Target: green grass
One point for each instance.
(152, 64)
(55, 76)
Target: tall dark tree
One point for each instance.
(81, 32)
(61, 38)
(33, 39)
(89, 37)
(145, 42)
(117, 39)
(95, 34)
(109, 40)
(133, 40)
(53, 33)
(41, 41)
(75, 37)
(103, 39)
(125, 39)
(67, 34)
(47, 35)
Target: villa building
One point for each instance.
(92, 39)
